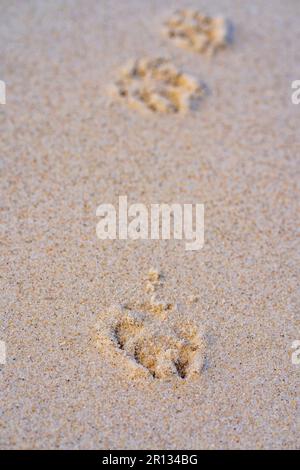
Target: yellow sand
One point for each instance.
(67, 146)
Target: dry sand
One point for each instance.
(67, 147)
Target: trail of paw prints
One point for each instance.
(156, 85)
(155, 339)
(192, 30)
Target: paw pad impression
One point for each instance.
(200, 33)
(156, 340)
(156, 85)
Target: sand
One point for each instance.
(67, 146)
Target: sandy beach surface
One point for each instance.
(67, 146)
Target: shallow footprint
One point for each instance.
(157, 85)
(192, 30)
(148, 341)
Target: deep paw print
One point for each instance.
(157, 85)
(192, 30)
(156, 340)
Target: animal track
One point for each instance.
(200, 33)
(157, 85)
(154, 340)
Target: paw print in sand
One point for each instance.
(200, 33)
(155, 340)
(157, 85)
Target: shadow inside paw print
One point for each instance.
(153, 346)
(157, 85)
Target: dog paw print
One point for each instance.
(157, 85)
(197, 32)
(155, 340)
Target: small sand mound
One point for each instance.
(157, 85)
